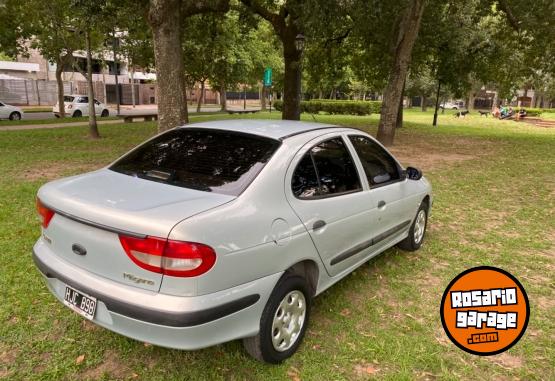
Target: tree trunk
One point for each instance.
(434, 123)
(60, 83)
(133, 101)
(470, 104)
(407, 31)
(223, 97)
(165, 21)
(399, 121)
(201, 96)
(291, 79)
(263, 98)
(423, 101)
(93, 128)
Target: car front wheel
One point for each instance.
(417, 230)
(105, 113)
(283, 322)
(15, 116)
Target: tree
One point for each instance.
(54, 36)
(165, 18)
(407, 31)
(285, 18)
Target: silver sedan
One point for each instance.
(225, 230)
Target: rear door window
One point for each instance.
(204, 159)
(68, 99)
(326, 170)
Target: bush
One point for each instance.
(532, 111)
(336, 107)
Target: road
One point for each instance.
(124, 111)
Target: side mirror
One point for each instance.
(413, 173)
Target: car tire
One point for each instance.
(15, 116)
(417, 230)
(105, 113)
(77, 114)
(290, 301)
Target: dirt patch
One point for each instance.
(112, 366)
(507, 361)
(44, 359)
(364, 370)
(8, 357)
(53, 171)
(546, 303)
(431, 153)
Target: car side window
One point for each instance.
(83, 100)
(380, 168)
(326, 170)
(96, 102)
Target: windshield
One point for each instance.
(204, 159)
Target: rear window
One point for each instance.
(68, 99)
(208, 160)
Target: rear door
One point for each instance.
(325, 191)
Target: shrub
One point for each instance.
(532, 111)
(336, 107)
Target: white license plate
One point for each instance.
(83, 304)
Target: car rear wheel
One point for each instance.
(283, 322)
(77, 114)
(417, 230)
(15, 116)
(105, 113)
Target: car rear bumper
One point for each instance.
(164, 320)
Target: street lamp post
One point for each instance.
(299, 46)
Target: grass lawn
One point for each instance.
(494, 187)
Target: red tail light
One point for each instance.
(45, 214)
(175, 258)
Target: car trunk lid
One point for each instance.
(93, 209)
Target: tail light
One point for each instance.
(45, 214)
(175, 258)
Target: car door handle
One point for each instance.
(381, 204)
(318, 224)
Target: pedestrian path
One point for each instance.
(54, 125)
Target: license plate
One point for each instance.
(80, 302)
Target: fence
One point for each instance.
(31, 92)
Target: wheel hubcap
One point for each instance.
(419, 226)
(288, 321)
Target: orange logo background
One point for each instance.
(485, 340)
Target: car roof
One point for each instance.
(275, 129)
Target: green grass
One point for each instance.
(494, 203)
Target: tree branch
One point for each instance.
(277, 21)
(513, 21)
(190, 8)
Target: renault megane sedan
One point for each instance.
(225, 230)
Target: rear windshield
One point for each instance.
(208, 160)
(67, 98)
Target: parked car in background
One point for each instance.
(78, 105)
(10, 112)
(225, 230)
(453, 105)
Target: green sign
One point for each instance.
(268, 77)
